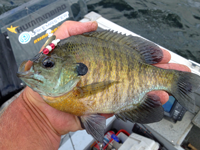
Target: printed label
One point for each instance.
(25, 37)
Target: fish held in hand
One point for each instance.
(107, 73)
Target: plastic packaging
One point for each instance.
(114, 137)
(138, 142)
(107, 138)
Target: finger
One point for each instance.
(107, 115)
(164, 96)
(70, 28)
(166, 57)
(174, 66)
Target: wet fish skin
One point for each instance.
(118, 80)
(119, 97)
(106, 64)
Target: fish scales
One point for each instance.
(121, 65)
(100, 71)
(118, 97)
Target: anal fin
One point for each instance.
(149, 111)
(95, 125)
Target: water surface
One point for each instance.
(174, 24)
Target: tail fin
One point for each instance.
(184, 90)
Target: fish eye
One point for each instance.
(48, 62)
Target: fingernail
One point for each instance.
(94, 25)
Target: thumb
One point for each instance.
(70, 28)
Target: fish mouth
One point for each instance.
(24, 70)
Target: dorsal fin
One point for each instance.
(149, 52)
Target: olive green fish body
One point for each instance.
(128, 93)
(110, 63)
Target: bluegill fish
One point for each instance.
(106, 72)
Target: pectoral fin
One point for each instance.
(149, 111)
(95, 125)
(95, 88)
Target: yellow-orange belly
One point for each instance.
(68, 103)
